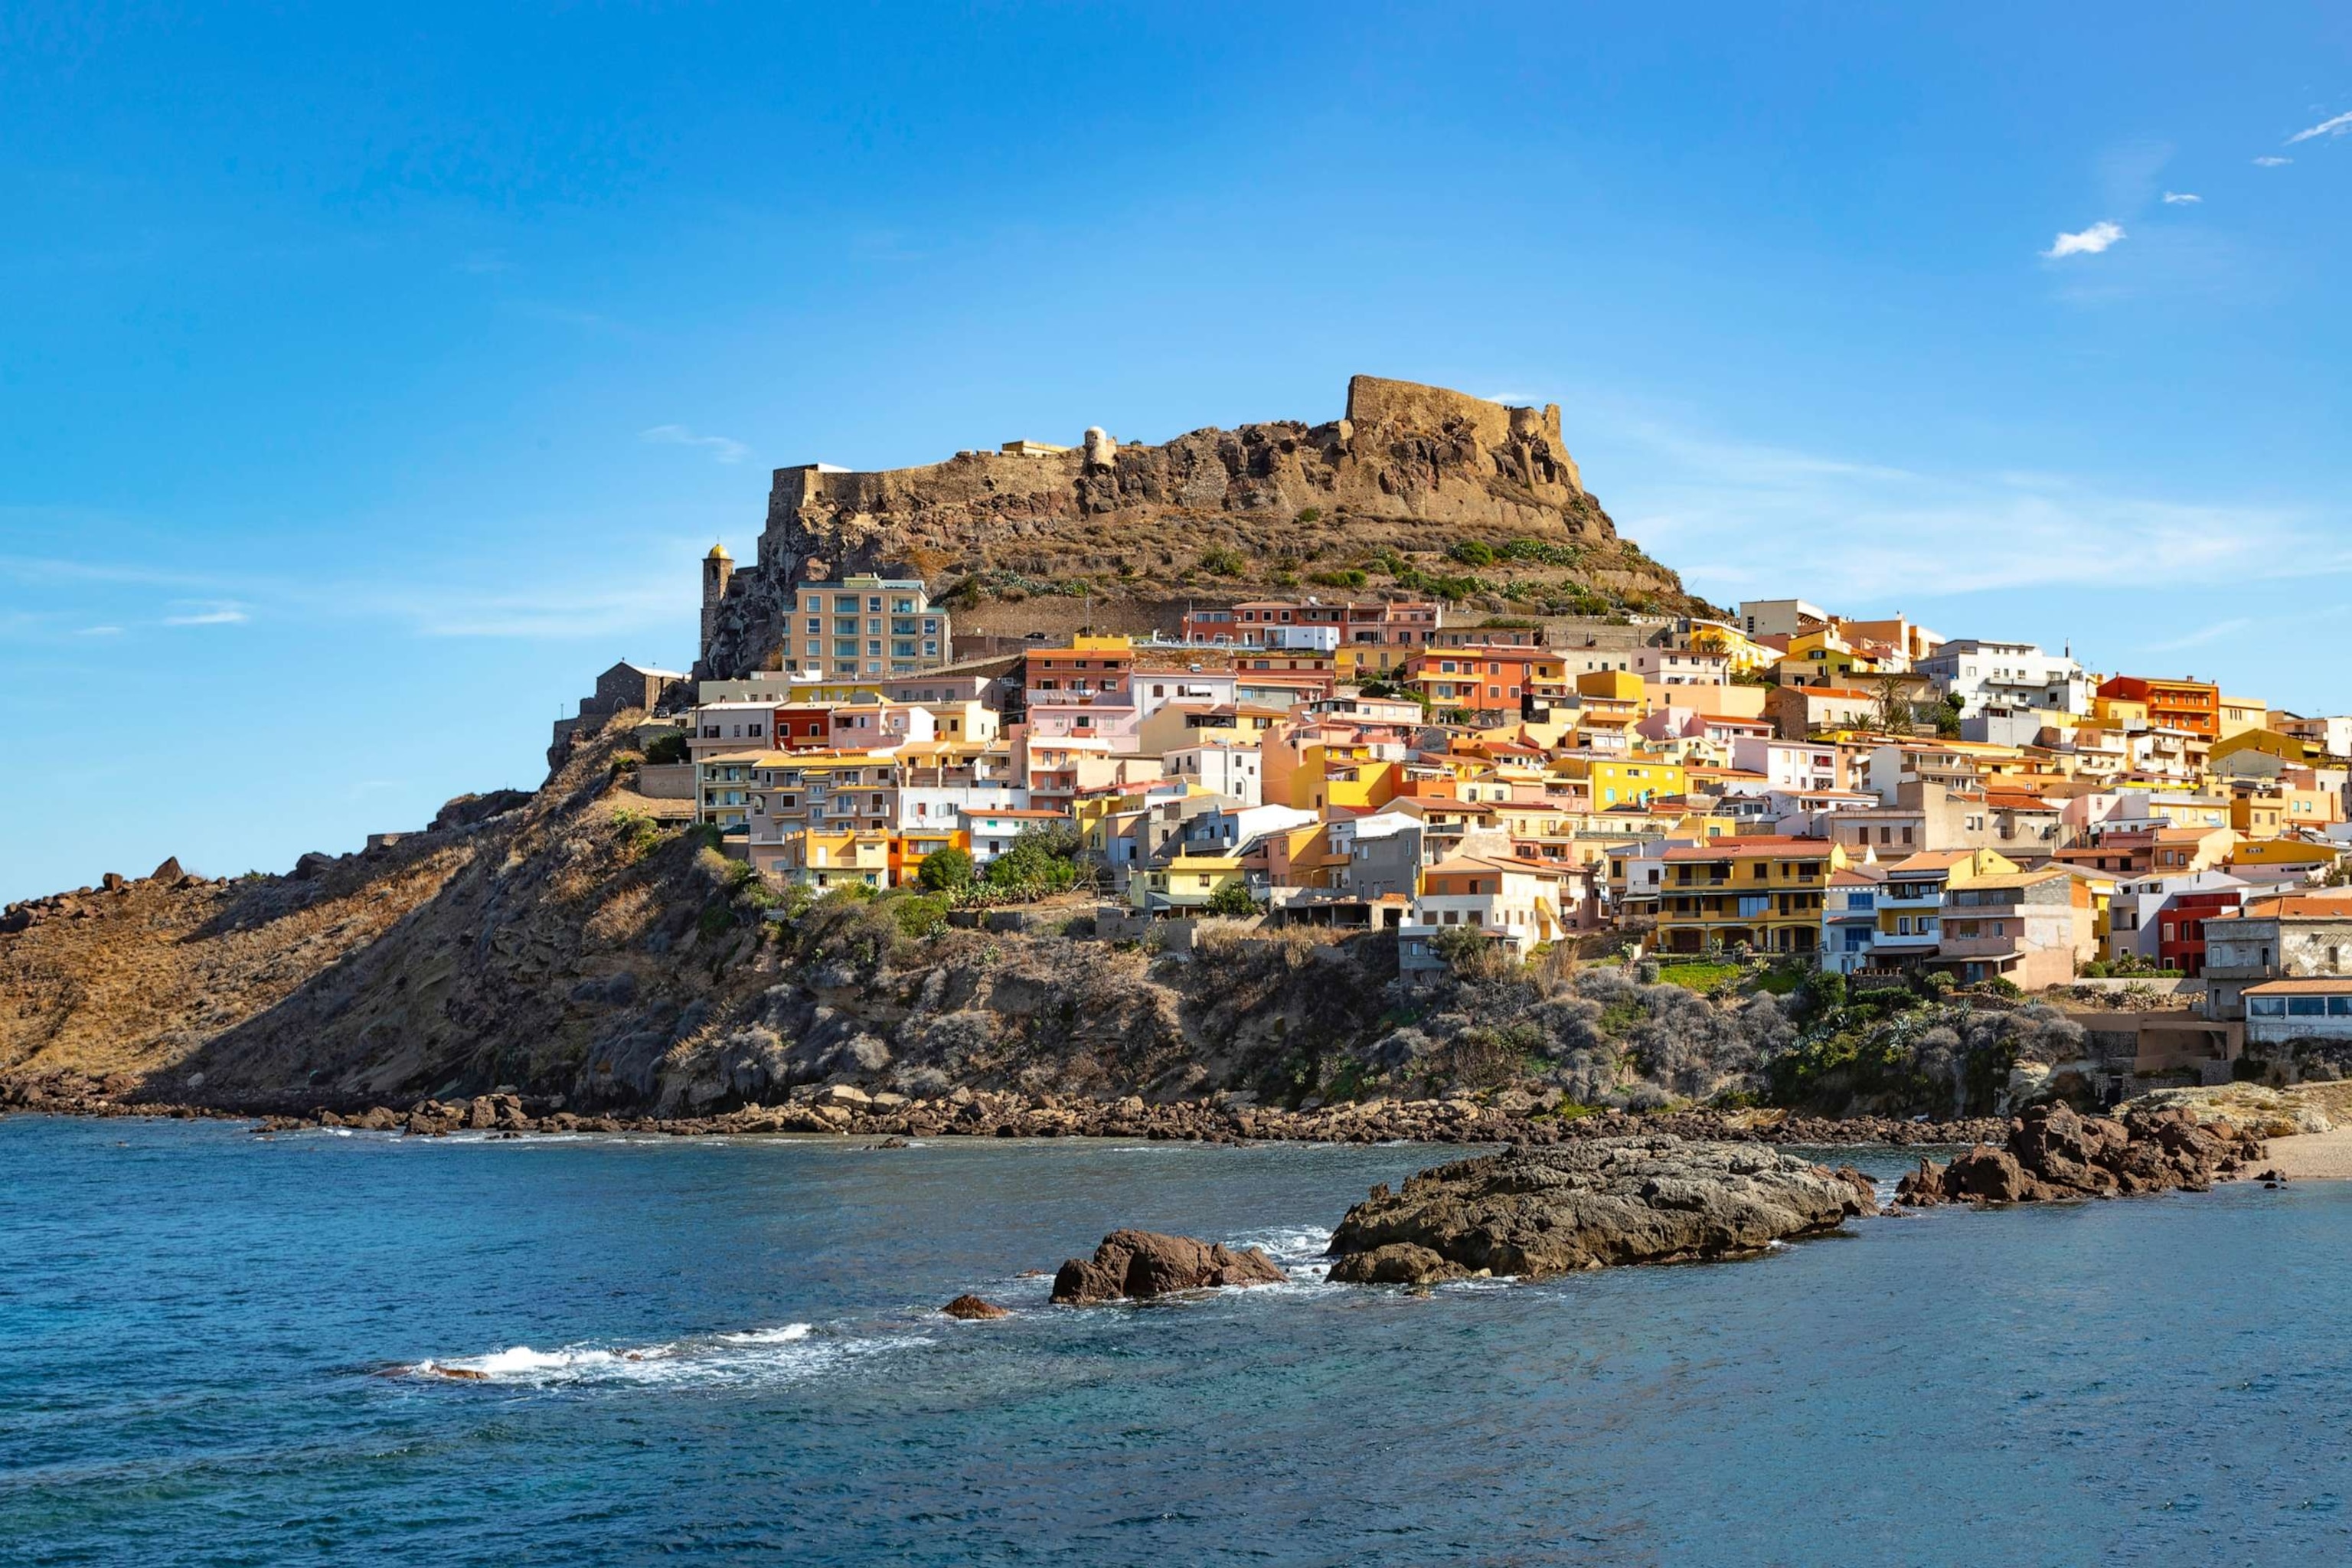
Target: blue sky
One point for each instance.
(370, 380)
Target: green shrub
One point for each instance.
(1310, 514)
(921, 916)
(639, 835)
(1472, 552)
(945, 870)
(1221, 561)
(1232, 899)
(665, 750)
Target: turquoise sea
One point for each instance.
(707, 1350)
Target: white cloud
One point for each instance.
(100, 632)
(206, 612)
(1872, 534)
(719, 447)
(2181, 198)
(2271, 161)
(2089, 242)
(2340, 126)
(2198, 637)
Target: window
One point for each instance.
(2306, 1006)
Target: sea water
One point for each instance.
(218, 1348)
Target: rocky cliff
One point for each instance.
(1123, 537)
(569, 948)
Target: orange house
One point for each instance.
(2194, 706)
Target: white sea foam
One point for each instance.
(788, 1353)
(784, 1335)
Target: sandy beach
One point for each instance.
(2314, 1156)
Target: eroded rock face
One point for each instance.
(1530, 1212)
(1137, 1265)
(972, 1308)
(2052, 1152)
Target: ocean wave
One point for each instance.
(788, 1353)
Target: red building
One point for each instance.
(2180, 936)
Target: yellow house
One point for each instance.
(814, 858)
(1747, 656)
(1186, 882)
(2239, 714)
(2119, 713)
(1622, 781)
(1312, 774)
(2282, 852)
(2286, 748)
(1763, 892)
(1910, 901)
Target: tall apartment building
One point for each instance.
(866, 625)
(2008, 675)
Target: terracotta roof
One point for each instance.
(2310, 906)
(2312, 988)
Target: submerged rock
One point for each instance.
(971, 1308)
(1529, 1211)
(1141, 1264)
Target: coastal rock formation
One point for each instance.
(1137, 1265)
(2052, 1152)
(1409, 469)
(1532, 1212)
(972, 1308)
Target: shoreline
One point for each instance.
(1500, 1117)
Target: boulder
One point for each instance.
(1533, 1212)
(1397, 1263)
(971, 1308)
(1141, 1264)
(1924, 1185)
(1993, 1174)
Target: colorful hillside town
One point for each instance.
(1862, 795)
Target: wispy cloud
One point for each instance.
(2340, 126)
(206, 612)
(2181, 198)
(2271, 161)
(98, 632)
(2088, 242)
(1878, 534)
(2200, 636)
(721, 447)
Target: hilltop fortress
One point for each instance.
(1123, 536)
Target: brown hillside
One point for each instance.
(1380, 503)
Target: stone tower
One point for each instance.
(718, 571)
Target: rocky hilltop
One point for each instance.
(1124, 537)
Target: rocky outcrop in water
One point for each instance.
(1531, 1211)
(1137, 1265)
(972, 1308)
(2052, 1152)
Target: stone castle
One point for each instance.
(1411, 464)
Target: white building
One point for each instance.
(1681, 667)
(993, 828)
(1791, 765)
(1235, 771)
(1779, 618)
(1514, 902)
(2009, 676)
